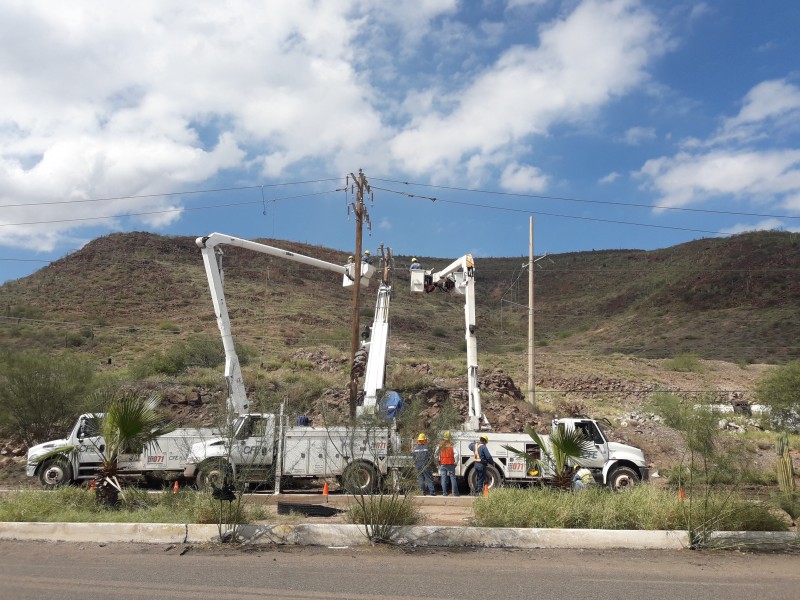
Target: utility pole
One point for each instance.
(360, 212)
(531, 345)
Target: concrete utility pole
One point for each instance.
(531, 345)
(360, 211)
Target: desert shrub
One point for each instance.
(779, 389)
(169, 326)
(405, 378)
(78, 505)
(41, 395)
(642, 508)
(685, 363)
(380, 513)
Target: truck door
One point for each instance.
(253, 444)
(90, 445)
(599, 456)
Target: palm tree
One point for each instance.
(130, 424)
(564, 448)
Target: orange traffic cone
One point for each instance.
(325, 490)
(175, 487)
(485, 489)
(681, 494)
(91, 486)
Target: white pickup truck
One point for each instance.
(166, 460)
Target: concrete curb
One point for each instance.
(347, 535)
(354, 535)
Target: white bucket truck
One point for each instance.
(164, 460)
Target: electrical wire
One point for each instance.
(169, 194)
(581, 200)
(170, 210)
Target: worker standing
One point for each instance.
(415, 265)
(483, 458)
(448, 455)
(422, 461)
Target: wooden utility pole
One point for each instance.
(360, 211)
(531, 345)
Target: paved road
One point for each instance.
(33, 570)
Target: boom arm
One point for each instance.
(212, 259)
(376, 346)
(460, 275)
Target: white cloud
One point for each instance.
(610, 178)
(765, 225)
(688, 178)
(385, 224)
(523, 178)
(730, 163)
(769, 105)
(103, 99)
(597, 52)
(518, 3)
(636, 135)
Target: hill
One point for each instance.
(609, 325)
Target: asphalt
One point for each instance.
(451, 529)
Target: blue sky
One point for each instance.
(614, 123)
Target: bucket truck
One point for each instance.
(612, 464)
(262, 445)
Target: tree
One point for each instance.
(130, 423)
(564, 448)
(41, 395)
(780, 391)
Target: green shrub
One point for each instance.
(685, 363)
(780, 390)
(642, 508)
(72, 504)
(169, 326)
(41, 395)
(392, 509)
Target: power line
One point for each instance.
(582, 200)
(170, 210)
(557, 215)
(168, 194)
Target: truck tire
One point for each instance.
(212, 473)
(55, 473)
(622, 478)
(493, 479)
(360, 478)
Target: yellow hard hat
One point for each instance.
(350, 257)
(422, 437)
(413, 260)
(446, 435)
(366, 251)
(484, 438)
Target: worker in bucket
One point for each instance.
(422, 461)
(483, 458)
(448, 455)
(367, 257)
(415, 265)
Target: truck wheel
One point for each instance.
(493, 478)
(212, 473)
(622, 478)
(360, 478)
(55, 473)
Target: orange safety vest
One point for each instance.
(446, 454)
